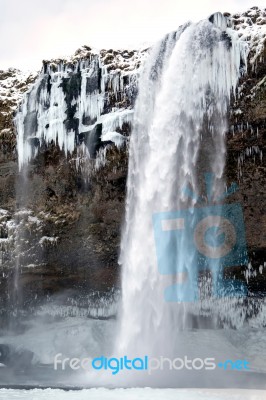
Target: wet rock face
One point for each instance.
(67, 237)
(246, 140)
(246, 145)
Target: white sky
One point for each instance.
(33, 30)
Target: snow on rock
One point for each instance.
(46, 241)
(7, 237)
(13, 83)
(21, 237)
(251, 27)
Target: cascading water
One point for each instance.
(179, 131)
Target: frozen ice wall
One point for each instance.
(78, 101)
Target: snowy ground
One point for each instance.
(133, 394)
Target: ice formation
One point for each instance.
(76, 101)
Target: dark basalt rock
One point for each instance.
(94, 81)
(226, 38)
(71, 87)
(92, 139)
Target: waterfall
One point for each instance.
(177, 144)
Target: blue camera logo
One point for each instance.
(196, 239)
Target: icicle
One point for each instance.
(48, 113)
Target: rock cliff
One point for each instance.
(63, 178)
